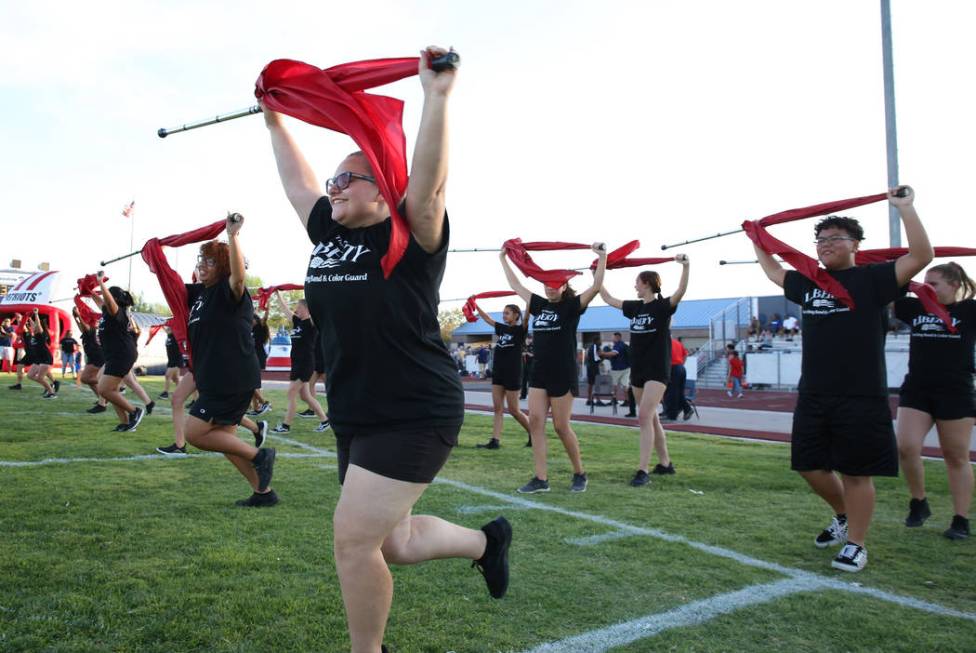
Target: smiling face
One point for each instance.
(945, 291)
(836, 248)
(360, 204)
(509, 316)
(555, 294)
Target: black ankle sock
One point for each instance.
(841, 517)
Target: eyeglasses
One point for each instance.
(342, 180)
(209, 261)
(831, 240)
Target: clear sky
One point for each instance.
(576, 121)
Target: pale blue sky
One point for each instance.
(573, 121)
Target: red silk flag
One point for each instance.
(618, 258)
(264, 294)
(924, 292)
(333, 98)
(518, 253)
(470, 306)
(805, 265)
(156, 328)
(174, 290)
(86, 288)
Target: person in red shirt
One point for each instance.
(734, 379)
(674, 398)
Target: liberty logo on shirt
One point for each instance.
(821, 302)
(505, 341)
(931, 326)
(336, 252)
(548, 320)
(642, 324)
(195, 311)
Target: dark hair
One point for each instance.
(618, 334)
(219, 252)
(121, 297)
(735, 354)
(850, 225)
(515, 309)
(303, 302)
(652, 279)
(952, 272)
(362, 155)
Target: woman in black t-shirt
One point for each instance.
(261, 335)
(303, 339)
(650, 360)
(395, 399)
(174, 361)
(93, 360)
(119, 350)
(40, 356)
(938, 389)
(225, 368)
(554, 376)
(506, 369)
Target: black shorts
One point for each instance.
(118, 366)
(639, 377)
(850, 435)
(319, 361)
(96, 361)
(221, 409)
(414, 455)
(300, 371)
(508, 376)
(262, 357)
(938, 404)
(591, 373)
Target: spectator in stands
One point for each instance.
(791, 327)
(754, 327)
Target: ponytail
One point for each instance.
(953, 273)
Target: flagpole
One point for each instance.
(132, 229)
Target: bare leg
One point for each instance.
(511, 398)
(130, 380)
(954, 436)
(828, 487)
(911, 428)
(308, 396)
(497, 407)
(648, 399)
(223, 438)
(38, 374)
(538, 409)
(293, 389)
(562, 408)
(108, 387)
(184, 389)
(859, 499)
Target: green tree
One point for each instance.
(450, 320)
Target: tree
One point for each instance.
(450, 320)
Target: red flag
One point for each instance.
(333, 98)
(517, 251)
(618, 258)
(86, 287)
(264, 294)
(156, 328)
(127, 211)
(469, 307)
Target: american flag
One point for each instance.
(127, 211)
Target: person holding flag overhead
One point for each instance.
(379, 248)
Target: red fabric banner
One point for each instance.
(86, 288)
(174, 290)
(264, 294)
(617, 259)
(805, 265)
(518, 253)
(469, 307)
(156, 328)
(333, 98)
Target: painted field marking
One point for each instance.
(148, 456)
(593, 540)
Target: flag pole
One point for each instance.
(132, 229)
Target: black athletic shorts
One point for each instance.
(175, 361)
(97, 361)
(43, 358)
(938, 404)
(119, 366)
(221, 409)
(639, 377)
(319, 361)
(850, 435)
(509, 377)
(300, 371)
(262, 357)
(414, 455)
(591, 373)
(554, 387)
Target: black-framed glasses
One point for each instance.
(831, 240)
(342, 180)
(209, 261)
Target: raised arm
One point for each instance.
(513, 281)
(601, 267)
(770, 266)
(920, 252)
(234, 223)
(428, 172)
(283, 305)
(107, 300)
(610, 299)
(302, 188)
(484, 316)
(683, 282)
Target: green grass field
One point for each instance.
(150, 554)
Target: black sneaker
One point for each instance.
(493, 565)
(265, 407)
(281, 428)
(492, 444)
(528, 442)
(172, 450)
(959, 529)
(852, 557)
(835, 533)
(120, 427)
(258, 500)
(149, 407)
(15, 386)
(918, 512)
(134, 418)
(251, 413)
(661, 470)
(307, 413)
(533, 486)
(323, 426)
(579, 483)
(48, 395)
(631, 414)
(97, 408)
(640, 478)
(57, 387)
(164, 395)
(262, 433)
(264, 465)
(687, 413)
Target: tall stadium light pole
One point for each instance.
(891, 132)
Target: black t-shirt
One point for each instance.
(172, 348)
(261, 334)
(650, 334)
(93, 351)
(6, 336)
(68, 344)
(39, 345)
(113, 334)
(508, 347)
(219, 331)
(387, 367)
(939, 359)
(554, 336)
(843, 349)
(303, 338)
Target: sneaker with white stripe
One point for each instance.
(852, 558)
(835, 533)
